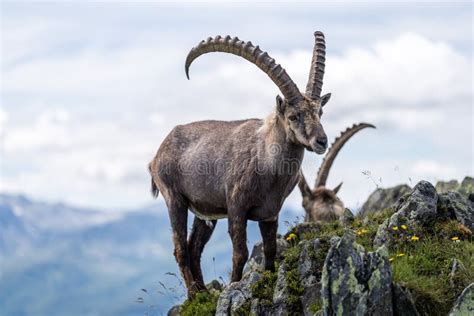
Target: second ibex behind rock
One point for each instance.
(321, 203)
(242, 170)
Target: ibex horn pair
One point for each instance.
(267, 64)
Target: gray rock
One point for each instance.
(381, 199)
(174, 311)
(237, 295)
(347, 217)
(445, 186)
(309, 273)
(403, 303)
(467, 188)
(214, 285)
(280, 293)
(355, 282)
(454, 205)
(464, 305)
(417, 208)
(256, 261)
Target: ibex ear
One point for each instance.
(280, 105)
(325, 98)
(336, 189)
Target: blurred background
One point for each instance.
(89, 91)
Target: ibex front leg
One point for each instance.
(238, 234)
(269, 232)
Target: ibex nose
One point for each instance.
(322, 141)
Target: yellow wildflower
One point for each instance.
(291, 236)
(455, 238)
(391, 259)
(414, 238)
(400, 254)
(395, 227)
(404, 227)
(364, 231)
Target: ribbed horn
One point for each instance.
(316, 74)
(253, 54)
(336, 146)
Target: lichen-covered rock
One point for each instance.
(280, 294)
(464, 305)
(381, 199)
(453, 205)
(256, 261)
(418, 208)
(403, 303)
(237, 296)
(467, 187)
(347, 217)
(355, 282)
(308, 273)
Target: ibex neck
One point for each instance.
(277, 142)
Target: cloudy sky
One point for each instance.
(90, 90)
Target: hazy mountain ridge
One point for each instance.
(93, 262)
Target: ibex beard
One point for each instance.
(240, 170)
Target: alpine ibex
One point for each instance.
(242, 170)
(322, 204)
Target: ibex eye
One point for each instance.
(292, 117)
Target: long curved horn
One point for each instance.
(253, 54)
(316, 74)
(303, 185)
(336, 146)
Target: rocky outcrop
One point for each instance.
(320, 273)
(453, 205)
(419, 207)
(464, 305)
(381, 199)
(256, 259)
(355, 282)
(237, 296)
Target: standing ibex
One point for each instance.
(242, 170)
(322, 204)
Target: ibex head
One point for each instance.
(321, 203)
(300, 112)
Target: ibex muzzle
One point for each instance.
(250, 166)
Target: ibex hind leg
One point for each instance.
(200, 235)
(178, 213)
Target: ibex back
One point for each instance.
(242, 170)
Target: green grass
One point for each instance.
(203, 304)
(425, 266)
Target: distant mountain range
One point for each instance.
(61, 260)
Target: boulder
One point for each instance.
(403, 303)
(445, 186)
(256, 260)
(174, 311)
(464, 305)
(309, 273)
(381, 199)
(355, 282)
(237, 295)
(454, 205)
(347, 217)
(419, 207)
